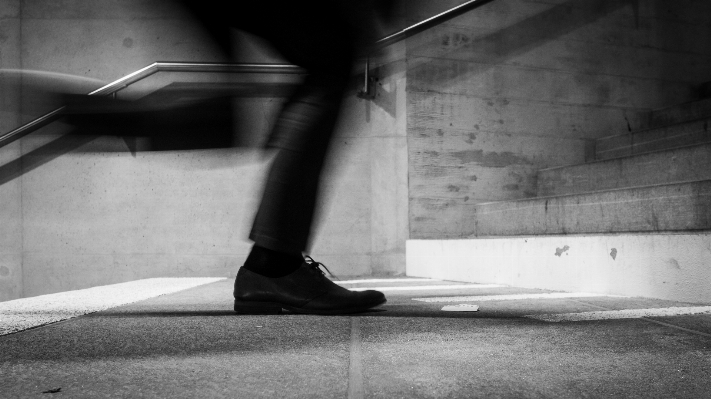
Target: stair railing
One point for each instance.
(113, 87)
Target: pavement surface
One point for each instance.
(520, 343)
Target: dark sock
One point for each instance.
(271, 263)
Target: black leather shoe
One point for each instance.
(307, 290)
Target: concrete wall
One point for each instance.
(89, 218)
(10, 193)
(520, 85)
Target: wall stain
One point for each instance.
(489, 159)
(673, 263)
(128, 42)
(511, 187)
(471, 138)
(440, 133)
(655, 221)
(439, 205)
(474, 178)
(613, 253)
(4, 271)
(453, 188)
(561, 251)
(455, 40)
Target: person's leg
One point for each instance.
(313, 35)
(301, 137)
(318, 36)
(275, 274)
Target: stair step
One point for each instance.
(680, 113)
(672, 207)
(671, 266)
(689, 163)
(657, 139)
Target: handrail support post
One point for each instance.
(368, 91)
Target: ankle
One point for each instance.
(270, 263)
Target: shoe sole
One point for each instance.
(245, 307)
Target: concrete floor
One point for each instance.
(190, 344)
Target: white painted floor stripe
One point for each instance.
(384, 280)
(622, 314)
(21, 314)
(512, 297)
(430, 287)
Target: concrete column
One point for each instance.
(10, 193)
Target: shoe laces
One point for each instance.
(317, 266)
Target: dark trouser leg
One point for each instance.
(318, 35)
(302, 136)
(325, 46)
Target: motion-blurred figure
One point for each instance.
(323, 36)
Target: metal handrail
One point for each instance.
(430, 22)
(143, 73)
(195, 67)
(30, 127)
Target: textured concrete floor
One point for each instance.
(190, 344)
